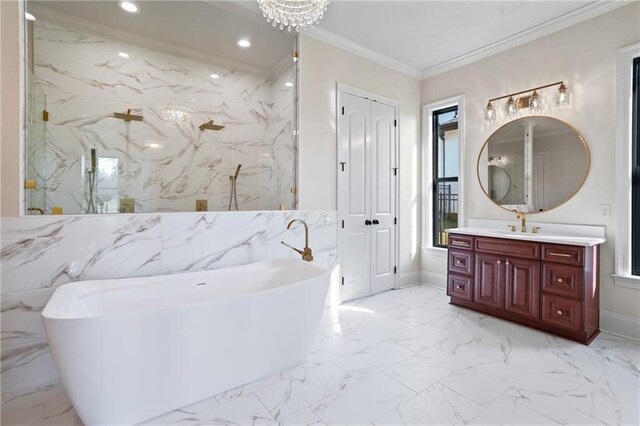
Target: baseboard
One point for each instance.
(620, 325)
(408, 279)
(437, 280)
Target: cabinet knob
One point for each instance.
(560, 280)
(559, 312)
(507, 262)
(499, 262)
(458, 287)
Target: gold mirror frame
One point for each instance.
(580, 137)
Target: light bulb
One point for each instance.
(511, 106)
(490, 112)
(129, 6)
(534, 102)
(563, 95)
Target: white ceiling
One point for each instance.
(423, 34)
(420, 38)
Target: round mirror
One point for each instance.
(533, 164)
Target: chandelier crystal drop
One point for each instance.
(290, 14)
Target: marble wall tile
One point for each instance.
(38, 254)
(164, 165)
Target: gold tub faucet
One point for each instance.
(306, 252)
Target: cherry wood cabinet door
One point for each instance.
(522, 287)
(488, 288)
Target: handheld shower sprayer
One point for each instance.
(91, 172)
(234, 191)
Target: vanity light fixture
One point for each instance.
(563, 95)
(534, 102)
(511, 107)
(490, 112)
(128, 6)
(214, 76)
(29, 17)
(244, 42)
(529, 98)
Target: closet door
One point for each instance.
(383, 197)
(355, 202)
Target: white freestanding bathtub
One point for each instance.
(132, 349)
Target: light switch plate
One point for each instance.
(605, 210)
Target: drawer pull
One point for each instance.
(459, 243)
(559, 312)
(560, 280)
(559, 254)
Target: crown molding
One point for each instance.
(365, 52)
(564, 21)
(46, 14)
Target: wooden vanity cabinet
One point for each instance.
(550, 287)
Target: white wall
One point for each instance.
(584, 56)
(322, 66)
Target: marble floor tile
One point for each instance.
(506, 411)
(421, 371)
(300, 390)
(373, 359)
(363, 402)
(613, 401)
(407, 357)
(437, 405)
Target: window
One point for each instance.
(635, 169)
(446, 141)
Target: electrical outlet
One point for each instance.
(202, 205)
(605, 210)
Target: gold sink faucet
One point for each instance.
(306, 251)
(523, 226)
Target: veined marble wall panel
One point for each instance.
(37, 254)
(164, 165)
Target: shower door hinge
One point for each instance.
(342, 110)
(342, 280)
(395, 123)
(343, 224)
(395, 269)
(395, 220)
(45, 115)
(395, 171)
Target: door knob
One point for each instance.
(376, 222)
(367, 222)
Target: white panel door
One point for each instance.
(383, 197)
(354, 171)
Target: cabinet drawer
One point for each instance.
(511, 248)
(460, 286)
(461, 261)
(562, 312)
(563, 280)
(464, 242)
(569, 255)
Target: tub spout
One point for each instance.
(306, 252)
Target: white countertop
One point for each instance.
(541, 237)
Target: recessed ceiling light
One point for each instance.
(244, 42)
(123, 55)
(288, 84)
(153, 145)
(128, 6)
(29, 16)
(214, 76)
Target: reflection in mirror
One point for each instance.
(162, 110)
(533, 164)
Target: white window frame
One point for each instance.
(427, 171)
(622, 204)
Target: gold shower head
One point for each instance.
(210, 126)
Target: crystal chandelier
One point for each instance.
(298, 14)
